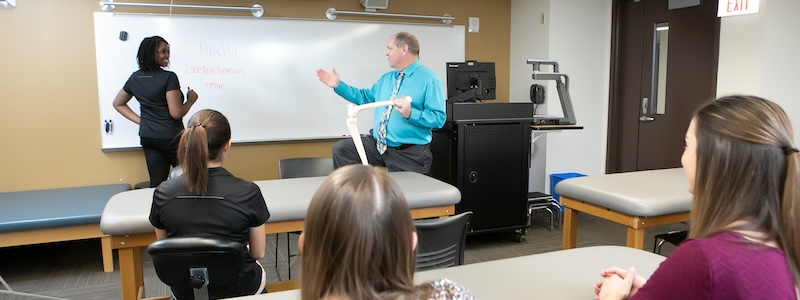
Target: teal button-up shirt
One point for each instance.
(427, 104)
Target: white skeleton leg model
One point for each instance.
(352, 124)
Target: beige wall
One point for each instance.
(741, 53)
(48, 87)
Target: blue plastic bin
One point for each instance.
(556, 178)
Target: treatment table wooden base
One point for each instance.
(126, 217)
(637, 200)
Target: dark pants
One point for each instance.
(414, 158)
(159, 154)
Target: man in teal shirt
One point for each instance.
(409, 124)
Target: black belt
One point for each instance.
(403, 146)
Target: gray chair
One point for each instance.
(304, 167)
(540, 201)
(673, 237)
(197, 262)
(9, 291)
(176, 172)
(441, 242)
(296, 168)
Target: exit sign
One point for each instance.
(729, 8)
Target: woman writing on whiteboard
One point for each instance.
(162, 107)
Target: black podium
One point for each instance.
(484, 150)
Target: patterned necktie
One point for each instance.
(381, 145)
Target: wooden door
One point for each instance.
(663, 66)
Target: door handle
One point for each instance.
(644, 118)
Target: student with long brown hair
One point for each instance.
(359, 242)
(208, 201)
(743, 169)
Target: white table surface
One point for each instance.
(565, 274)
(287, 199)
(640, 193)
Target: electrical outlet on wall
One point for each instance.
(474, 24)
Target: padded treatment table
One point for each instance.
(565, 274)
(638, 200)
(126, 217)
(57, 215)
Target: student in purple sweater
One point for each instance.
(743, 169)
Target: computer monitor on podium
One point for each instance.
(470, 81)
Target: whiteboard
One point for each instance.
(260, 73)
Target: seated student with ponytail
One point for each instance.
(359, 242)
(229, 208)
(743, 169)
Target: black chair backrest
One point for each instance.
(441, 242)
(297, 168)
(304, 167)
(173, 257)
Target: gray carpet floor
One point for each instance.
(73, 270)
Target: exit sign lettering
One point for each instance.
(729, 8)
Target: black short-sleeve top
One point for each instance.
(150, 89)
(231, 206)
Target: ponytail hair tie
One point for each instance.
(790, 150)
(198, 125)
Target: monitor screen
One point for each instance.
(470, 81)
